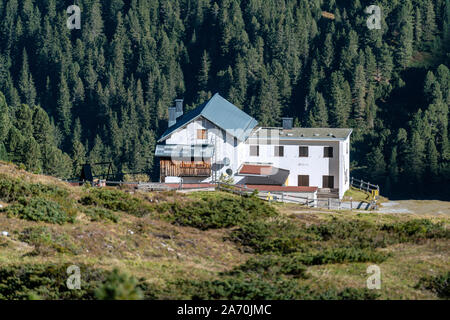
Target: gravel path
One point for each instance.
(416, 206)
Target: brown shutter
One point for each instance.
(303, 181)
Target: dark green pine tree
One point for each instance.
(339, 105)
(393, 170)
(31, 155)
(359, 91)
(406, 36)
(415, 159)
(318, 114)
(5, 120)
(432, 160)
(446, 30)
(26, 83)
(429, 26)
(64, 106)
(327, 55)
(203, 77)
(377, 165)
(418, 29)
(78, 154)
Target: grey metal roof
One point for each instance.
(303, 133)
(178, 151)
(220, 112)
(276, 176)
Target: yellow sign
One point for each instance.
(375, 193)
(269, 197)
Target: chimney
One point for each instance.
(179, 107)
(172, 116)
(287, 123)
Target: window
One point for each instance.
(328, 152)
(235, 142)
(201, 134)
(303, 181)
(328, 182)
(303, 152)
(254, 151)
(279, 151)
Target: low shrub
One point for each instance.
(341, 255)
(355, 233)
(273, 265)
(46, 241)
(116, 200)
(417, 229)
(241, 287)
(348, 294)
(14, 189)
(119, 286)
(245, 287)
(98, 214)
(223, 211)
(40, 209)
(440, 285)
(277, 236)
(47, 282)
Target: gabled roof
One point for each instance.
(220, 112)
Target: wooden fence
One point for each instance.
(285, 197)
(363, 185)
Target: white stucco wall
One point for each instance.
(224, 148)
(344, 182)
(315, 165)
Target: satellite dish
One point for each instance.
(226, 161)
(229, 172)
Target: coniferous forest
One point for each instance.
(101, 93)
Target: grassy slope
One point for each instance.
(400, 273)
(161, 252)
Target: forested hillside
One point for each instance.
(101, 93)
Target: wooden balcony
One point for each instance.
(169, 168)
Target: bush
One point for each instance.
(245, 287)
(119, 286)
(349, 294)
(98, 214)
(273, 265)
(221, 211)
(417, 229)
(45, 240)
(40, 209)
(354, 233)
(46, 282)
(241, 288)
(14, 189)
(276, 236)
(440, 285)
(341, 255)
(116, 200)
